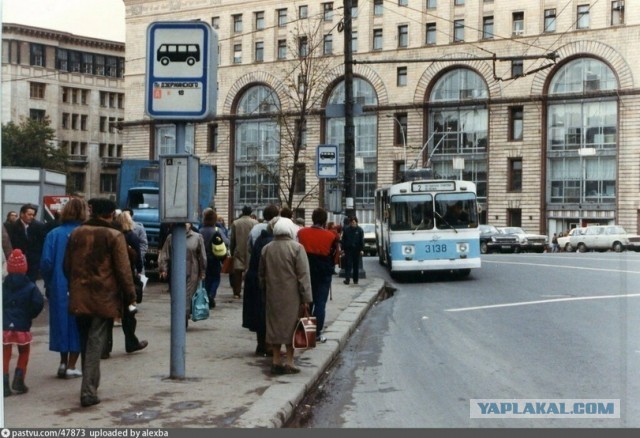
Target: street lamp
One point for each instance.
(404, 139)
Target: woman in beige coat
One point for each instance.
(284, 277)
(196, 262)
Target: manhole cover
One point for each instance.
(183, 406)
(140, 416)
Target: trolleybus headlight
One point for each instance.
(463, 247)
(408, 251)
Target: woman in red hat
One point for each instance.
(22, 301)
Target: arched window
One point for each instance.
(458, 133)
(582, 137)
(257, 149)
(366, 140)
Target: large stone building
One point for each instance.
(535, 101)
(78, 83)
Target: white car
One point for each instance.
(528, 242)
(370, 247)
(564, 242)
(603, 238)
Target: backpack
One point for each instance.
(218, 247)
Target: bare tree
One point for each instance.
(305, 81)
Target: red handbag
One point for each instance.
(304, 336)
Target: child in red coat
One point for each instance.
(22, 302)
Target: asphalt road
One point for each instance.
(524, 326)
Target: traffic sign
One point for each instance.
(181, 80)
(327, 161)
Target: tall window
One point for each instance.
(582, 135)
(515, 123)
(377, 39)
(327, 9)
(617, 13)
(37, 55)
(259, 51)
(458, 31)
(327, 45)
(400, 129)
(77, 181)
(108, 182)
(432, 4)
(282, 17)
(62, 56)
(487, 27)
(354, 8)
(303, 46)
(517, 68)
(282, 49)
(354, 42)
(431, 34)
(365, 136)
(518, 23)
(215, 22)
(378, 7)
(458, 125)
(237, 23)
(303, 11)
(401, 80)
(515, 175)
(87, 63)
(257, 148)
(213, 138)
(237, 53)
(549, 20)
(403, 36)
(259, 20)
(583, 17)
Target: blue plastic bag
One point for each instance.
(200, 304)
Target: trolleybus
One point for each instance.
(428, 225)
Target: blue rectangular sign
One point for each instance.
(327, 161)
(181, 80)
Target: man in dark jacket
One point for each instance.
(352, 246)
(99, 288)
(27, 234)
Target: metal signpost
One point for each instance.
(181, 84)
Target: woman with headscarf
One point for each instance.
(286, 282)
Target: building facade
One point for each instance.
(534, 101)
(76, 82)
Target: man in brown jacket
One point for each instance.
(239, 244)
(100, 287)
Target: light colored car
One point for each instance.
(564, 242)
(603, 238)
(528, 241)
(370, 247)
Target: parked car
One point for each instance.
(494, 240)
(604, 238)
(564, 242)
(370, 247)
(528, 241)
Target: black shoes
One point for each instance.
(212, 303)
(85, 402)
(141, 345)
(346, 282)
(18, 385)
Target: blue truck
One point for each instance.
(138, 188)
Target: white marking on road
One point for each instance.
(425, 317)
(555, 300)
(562, 266)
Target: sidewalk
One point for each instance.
(226, 385)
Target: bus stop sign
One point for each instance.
(181, 78)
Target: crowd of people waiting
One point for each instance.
(284, 268)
